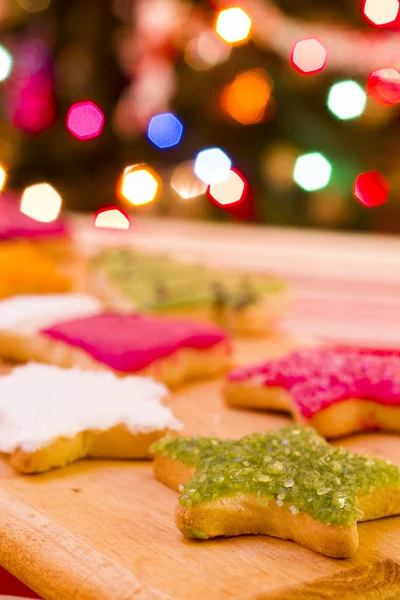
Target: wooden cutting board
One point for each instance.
(105, 530)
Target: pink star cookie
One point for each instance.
(335, 390)
(69, 330)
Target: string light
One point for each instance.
(308, 56)
(165, 130)
(233, 25)
(85, 120)
(41, 202)
(346, 100)
(212, 165)
(206, 51)
(312, 171)
(384, 86)
(246, 98)
(5, 63)
(230, 191)
(112, 218)
(371, 189)
(185, 183)
(140, 185)
(380, 12)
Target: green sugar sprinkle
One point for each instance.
(161, 283)
(293, 465)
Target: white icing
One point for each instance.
(28, 314)
(41, 403)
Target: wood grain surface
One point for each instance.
(105, 530)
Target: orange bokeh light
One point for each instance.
(112, 218)
(233, 25)
(246, 97)
(139, 185)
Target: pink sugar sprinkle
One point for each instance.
(318, 378)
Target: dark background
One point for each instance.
(81, 59)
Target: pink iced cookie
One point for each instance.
(167, 349)
(15, 225)
(338, 391)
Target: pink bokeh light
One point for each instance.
(85, 120)
(308, 56)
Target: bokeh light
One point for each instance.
(112, 218)
(246, 98)
(229, 191)
(380, 12)
(165, 130)
(346, 100)
(5, 63)
(206, 51)
(308, 56)
(233, 25)
(85, 120)
(185, 183)
(212, 165)
(140, 185)
(33, 6)
(277, 165)
(312, 171)
(3, 177)
(384, 86)
(41, 202)
(371, 189)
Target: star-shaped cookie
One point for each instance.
(72, 330)
(244, 303)
(336, 391)
(50, 417)
(289, 483)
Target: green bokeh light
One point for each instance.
(346, 100)
(312, 171)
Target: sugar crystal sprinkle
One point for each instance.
(40, 403)
(306, 474)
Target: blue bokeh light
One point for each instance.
(212, 166)
(165, 130)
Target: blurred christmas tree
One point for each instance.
(262, 95)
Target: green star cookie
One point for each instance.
(161, 284)
(288, 483)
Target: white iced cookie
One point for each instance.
(50, 417)
(30, 313)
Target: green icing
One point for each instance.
(160, 283)
(293, 465)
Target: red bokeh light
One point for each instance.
(371, 189)
(112, 217)
(308, 56)
(85, 120)
(380, 13)
(384, 86)
(230, 191)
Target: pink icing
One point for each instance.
(15, 225)
(318, 378)
(130, 343)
